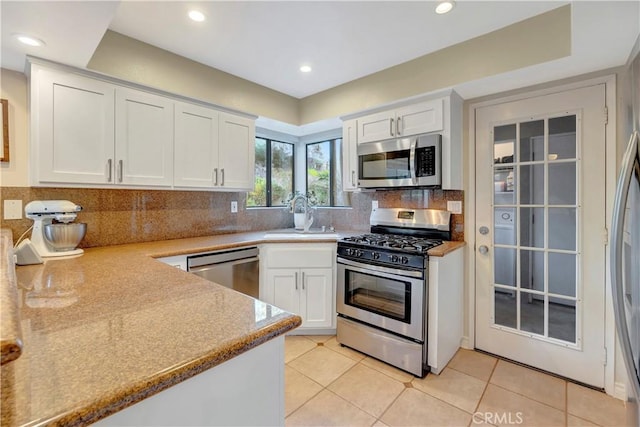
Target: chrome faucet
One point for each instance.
(308, 210)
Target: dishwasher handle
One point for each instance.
(240, 256)
(206, 267)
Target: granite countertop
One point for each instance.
(10, 334)
(107, 329)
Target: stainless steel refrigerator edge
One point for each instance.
(625, 250)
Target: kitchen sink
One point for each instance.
(314, 233)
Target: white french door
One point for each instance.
(540, 232)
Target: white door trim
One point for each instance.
(611, 386)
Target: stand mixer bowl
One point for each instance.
(64, 237)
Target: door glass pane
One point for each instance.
(562, 183)
(532, 227)
(562, 319)
(505, 266)
(505, 308)
(562, 274)
(532, 270)
(503, 186)
(504, 226)
(532, 141)
(562, 228)
(532, 313)
(504, 138)
(562, 138)
(532, 184)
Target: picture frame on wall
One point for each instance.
(4, 116)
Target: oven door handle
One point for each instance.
(386, 271)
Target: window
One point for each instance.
(274, 173)
(324, 173)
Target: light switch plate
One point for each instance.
(374, 204)
(234, 207)
(455, 207)
(13, 209)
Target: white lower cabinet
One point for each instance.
(300, 278)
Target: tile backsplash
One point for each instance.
(116, 216)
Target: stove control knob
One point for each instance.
(375, 255)
(393, 258)
(405, 260)
(348, 251)
(358, 253)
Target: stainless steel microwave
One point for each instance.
(406, 162)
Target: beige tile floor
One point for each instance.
(330, 385)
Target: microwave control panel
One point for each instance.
(426, 161)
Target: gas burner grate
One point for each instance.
(392, 241)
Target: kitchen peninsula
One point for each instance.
(114, 328)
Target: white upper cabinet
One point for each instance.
(213, 149)
(89, 130)
(424, 117)
(196, 146)
(349, 155)
(144, 138)
(237, 152)
(72, 125)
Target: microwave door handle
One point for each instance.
(412, 161)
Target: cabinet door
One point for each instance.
(284, 283)
(349, 156)
(72, 125)
(144, 138)
(237, 152)
(317, 298)
(376, 127)
(196, 146)
(420, 118)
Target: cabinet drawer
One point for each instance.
(299, 256)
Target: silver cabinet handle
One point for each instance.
(353, 178)
(398, 127)
(109, 170)
(296, 280)
(215, 174)
(483, 249)
(222, 180)
(303, 280)
(391, 126)
(120, 170)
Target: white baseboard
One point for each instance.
(465, 343)
(620, 391)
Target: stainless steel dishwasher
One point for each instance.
(235, 268)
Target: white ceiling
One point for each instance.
(267, 41)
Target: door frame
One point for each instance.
(613, 385)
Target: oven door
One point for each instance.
(392, 299)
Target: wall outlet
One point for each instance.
(234, 207)
(455, 207)
(13, 209)
(374, 204)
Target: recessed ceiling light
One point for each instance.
(196, 15)
(445, 6)
(305, 68)
(28, 40)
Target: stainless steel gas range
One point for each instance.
(382, 287)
